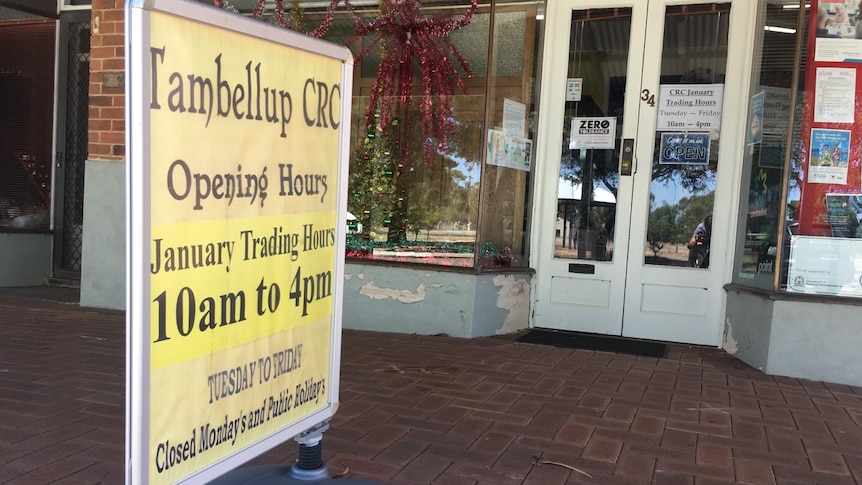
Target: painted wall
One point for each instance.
(25, 258)
(431, 302)
(747, 328)
(103, 254)
(819, 341)
(808, 340)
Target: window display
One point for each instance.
(801, 231)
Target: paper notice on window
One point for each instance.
(838, 49)
(593, 133)
(510, 151)
(825, 266)
(514, 114)
(835, 95)
(574, 87)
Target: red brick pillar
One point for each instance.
(107, 81)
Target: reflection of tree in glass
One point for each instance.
(410, 196)
(663, 227)
(675, 223)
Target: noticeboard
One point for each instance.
(237, 137)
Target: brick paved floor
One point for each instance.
(422, 410)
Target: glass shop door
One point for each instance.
(632, 106)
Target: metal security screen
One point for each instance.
(72, 145)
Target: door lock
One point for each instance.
(627, 157)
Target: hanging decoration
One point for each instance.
(407, 40)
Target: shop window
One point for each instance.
(26, 123)
(439, 165)
(803, 207)
(427, 182)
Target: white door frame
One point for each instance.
(614, 292)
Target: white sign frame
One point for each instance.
(138, 15)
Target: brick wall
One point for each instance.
(107, 82)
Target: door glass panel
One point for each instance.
(589, 176)
(685, 164)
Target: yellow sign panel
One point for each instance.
(241, 257)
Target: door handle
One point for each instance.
(627, 157)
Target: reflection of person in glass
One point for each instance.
(698, 245)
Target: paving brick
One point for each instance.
(786, 444)
(694, 469)
(670, 477)
(712, 455)
(574, 433)
(525, 407)
(648, 425)
(383, 436)
(753, 472)
(620, 412)
(803, 476)
(634, 466)
(827, 462)
(594, 402)
(483, 475)
(602, 449)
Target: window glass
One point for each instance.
(509, 149)
(26, 130)
(685, 164)
(417, 167)
(769, 129)
(428, 101)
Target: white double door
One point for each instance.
(642, 102)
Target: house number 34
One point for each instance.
(648, 97)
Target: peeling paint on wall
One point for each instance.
(404, 296)
(514, 296)
(730, 344)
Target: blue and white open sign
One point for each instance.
(684, 148)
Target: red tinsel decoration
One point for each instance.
(407, 38)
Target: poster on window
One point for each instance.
(837, 33)
(509, 151)
(829, 156)
(593, 132)
(845, 214)
(755, 118)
